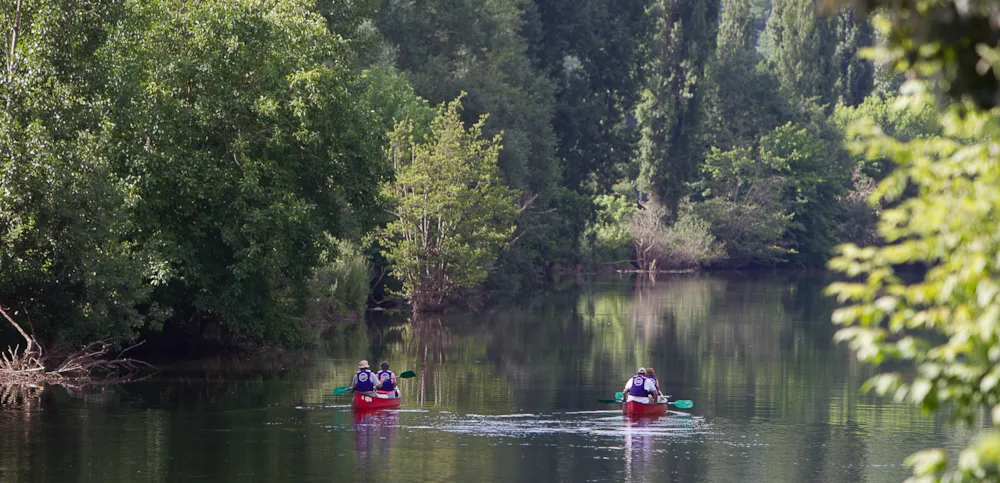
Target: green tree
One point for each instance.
(591, 52)
(452, 213)
(448, 47)
(817, 175)
(451, 47)
(950, 41)
(801, 50)
(737, 26)
(743, 100)
(743, 203)
(670, 112)
(608, 238)
(68, 261)
(241, 127)
(899, 121)
(855, 74)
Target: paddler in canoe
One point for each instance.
(364, 381)
(387, 381)
(651, 374)
(639, 388)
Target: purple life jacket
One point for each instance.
(387, 384)
(366, 381)
(638, 386)
(655, 382)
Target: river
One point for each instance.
(510, 394)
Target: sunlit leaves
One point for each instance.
(452, 215)
(930, 295)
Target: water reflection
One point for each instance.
(511, 395)
(374, 432)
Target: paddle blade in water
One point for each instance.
(609, 401)
(683, 404)
(407, 375)
(341, 390)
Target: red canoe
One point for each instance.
(633, 408)
(367, 403)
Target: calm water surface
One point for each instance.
(511, 395)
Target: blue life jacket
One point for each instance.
(638, 386)
(366, 381)
(387, 384)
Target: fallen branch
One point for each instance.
(88, 365)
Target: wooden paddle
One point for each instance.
(340, 391)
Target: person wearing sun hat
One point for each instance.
(364, 380)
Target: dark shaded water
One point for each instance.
(511, 395)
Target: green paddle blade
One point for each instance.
(683, 404)
(608, 401)
(341, 390)
(407, 375)
(618, 396)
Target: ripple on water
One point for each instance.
(603, 423)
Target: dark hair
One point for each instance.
(650, 372)
(385, 366)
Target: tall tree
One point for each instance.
(681, 42)
(590, 51)
(801, 47)
(450, 47)
(855, 75)
(743, 101)
(737, 28)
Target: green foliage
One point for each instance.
(343, 277)
(816, 176)
(817, 57)
(953, 42)
(801, 48)
(744, 204)
(452, 213)
(246, 139)
(689, 242)
(945, 321)
(177, 155)
(855, 74)
(608, 237)
(682, 41)
(896, 118)
(67, 260)
(480, 48)
(785, 193)
(736, 27)
(589, 51)
(390, 95)
(744, 100)
(447, 48)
